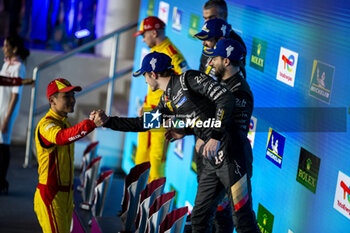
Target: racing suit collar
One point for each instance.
(170, 84)
(161, 46)
(56, 116)
(234, 77)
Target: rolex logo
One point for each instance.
(259, 49)
(308, 164)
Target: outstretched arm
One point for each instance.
(125, 124)
(51, 133)
(6, 81)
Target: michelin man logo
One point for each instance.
(229, 49)
(223, 29)
(274, 145)
(153, 63)
(151, 120)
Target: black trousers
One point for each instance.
(231, 176)
(4, 163)
(222, 222)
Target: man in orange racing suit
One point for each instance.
(151, 145)
(54, 137)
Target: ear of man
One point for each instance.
(227, 62)
(154, 75)
(52, 98)
(154, 33)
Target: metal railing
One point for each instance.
(112, 76)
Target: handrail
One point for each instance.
(112, 76)
(88, 88)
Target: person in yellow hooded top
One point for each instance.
(54, 137)
(151, 145)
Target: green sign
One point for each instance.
(150, 9)
(321, 81)
(265, 219)
(176, 197)
(194, 26)
(257, 58)
(308, 168)
(194, 163)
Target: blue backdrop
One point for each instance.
(298, 70)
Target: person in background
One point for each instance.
(15, 55)
(152, 146)
(54, 139)
(214, 30)
(213, 9)
(15, 81)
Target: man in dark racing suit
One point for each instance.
(226, 60)
(197, 98)
(214, 30)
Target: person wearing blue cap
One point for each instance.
(226, 58)
(151, 146)
(212, 31)
(213, 9)
(199, 105)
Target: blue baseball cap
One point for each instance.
(227, 48)
(154, 62)
(214, 28)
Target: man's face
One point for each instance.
(63, 103)
(210, 43)
(149, 38)
(211, 13)
(218, 64)
(151, 81)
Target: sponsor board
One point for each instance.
(252, 130)
(265, 219)
(133, 152)
(179, 146)
(275, 147)
(177, 18)
(194, 25)
(194, 162)
(172, 188)
(144, 52)
(321, 81)
(308, 169)
(342, 195)
(258, 54)
(163, 12)
(150, 8)
(287, 66)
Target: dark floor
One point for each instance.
(16, 209)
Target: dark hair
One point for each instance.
(218, 4)
(17, 41)
(235, 63)
(166, 73)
